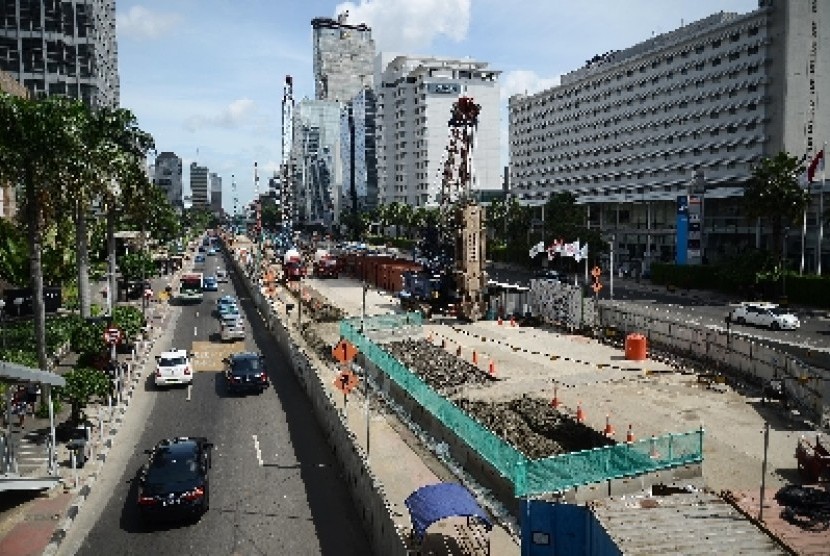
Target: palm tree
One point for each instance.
(35, 137)
(773, 193)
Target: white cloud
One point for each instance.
(524, 82)
(140, 23)
(233, 116)
(407, 25)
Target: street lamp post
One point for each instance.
(18, 302)
(784, 262)
(3, 322)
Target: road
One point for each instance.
(698, 306)
(275, 486)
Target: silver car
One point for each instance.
(232, 328)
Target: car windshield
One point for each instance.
(779, 311)
(173, 464)
(172, 361)
(245, 365)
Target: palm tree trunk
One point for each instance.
(113, 284)
(82, 259)
(34, 226)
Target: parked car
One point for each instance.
(768, 315)
(221, 275)
(174, 482)
(210, 284)
(232, 327)
(173, 367)
(246, 373)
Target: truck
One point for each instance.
(428, 292)
(325, 264)
(293, 267)
(191, 287)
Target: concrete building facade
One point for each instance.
(167, 175)
(415, 96)
(698, 107)
(199, 186)
(343, 57)
(62, 48)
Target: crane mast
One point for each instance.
(287, 177)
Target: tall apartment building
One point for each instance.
(199, 186)
(343, 58)
(215, 182)
(358, 153)
(696, 107)
(167, 175)
(62, 48)
(415, 96)
(8, 199)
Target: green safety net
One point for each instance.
(529, 477)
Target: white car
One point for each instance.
(768, 315)
(232, 328)
(173, 367)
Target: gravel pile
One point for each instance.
(442, 371)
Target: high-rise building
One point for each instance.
(316, 162)
(343, 58)
(62, 48)
(167, 175)
(215, 194)
(358, 153)
(415, 96)
(694, 108)
(199, 186)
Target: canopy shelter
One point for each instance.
(10, 477)
(432, 503)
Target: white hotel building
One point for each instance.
(415, 96)
(627, 132)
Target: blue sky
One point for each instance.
(205, 77)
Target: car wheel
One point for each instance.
(740, 320)
(774, 325)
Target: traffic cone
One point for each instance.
(443, 343)
(492, 368)
(555, 401)
(475, 358)
(458, 351)
(629, 436)
(512, 321)
(499, 321)
(580, 415)
(609, 430)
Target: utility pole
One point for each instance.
(258, 227)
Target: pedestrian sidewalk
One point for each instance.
(33, 524)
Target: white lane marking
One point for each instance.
(258, 450)
(189, 391)
(197, 313)
(194, 331)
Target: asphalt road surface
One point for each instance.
(275, 485)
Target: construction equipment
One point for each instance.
(325, 264)
(453, 279)
(813, 459)
(293, 266)
(287, 168)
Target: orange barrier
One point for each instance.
(635, 347)
(555, 401)
(492, 367)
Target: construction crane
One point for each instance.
(287, 180)
(454, 281)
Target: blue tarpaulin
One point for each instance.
(433, 503)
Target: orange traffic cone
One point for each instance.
(609, 430)
(512, 321)
(629, 436)
(492, 368)
(458, 351)
(555, 401)
(580, 415)
(475, 358)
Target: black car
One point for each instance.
(174, 484)
(246, 373)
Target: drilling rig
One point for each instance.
(456, 281)
(287, 178)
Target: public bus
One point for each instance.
(191, 288)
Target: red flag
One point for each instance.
(811, 170)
